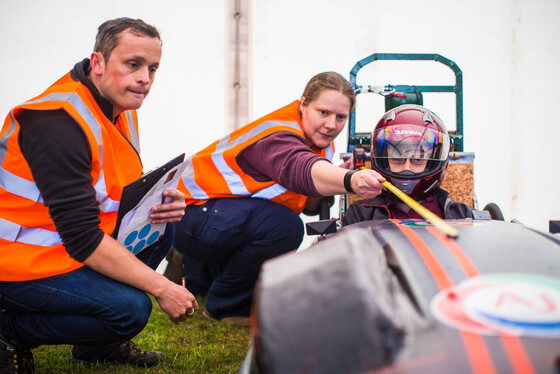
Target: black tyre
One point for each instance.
(495, 211)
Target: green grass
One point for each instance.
(196, 346)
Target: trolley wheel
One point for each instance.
(495, 211)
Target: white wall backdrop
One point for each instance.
(508, 51)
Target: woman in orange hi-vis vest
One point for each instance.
(65, 157)
(244, 194)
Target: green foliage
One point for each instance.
(195, 346)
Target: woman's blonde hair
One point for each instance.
(328, 80)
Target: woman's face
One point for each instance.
(324, 118)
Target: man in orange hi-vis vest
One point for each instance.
(245, 192)
(65, 157)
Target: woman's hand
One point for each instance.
(171, 211)
(366, 183)
(329, 180)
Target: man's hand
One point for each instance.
(171, 211)
(113, 260)
(177, 302)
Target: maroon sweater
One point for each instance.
(283, 157)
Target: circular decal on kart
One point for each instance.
(514, 304)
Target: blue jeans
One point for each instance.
(81, 307)
(224, 243)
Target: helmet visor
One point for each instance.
(411, 141)
(416, 148)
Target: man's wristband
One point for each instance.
(347, 178)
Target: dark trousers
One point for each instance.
(81, 307)
(224, 243)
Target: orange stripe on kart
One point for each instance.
(438, 272)
(512, 345)
(463, 260)
(479, 357)
(518, 355)
(476, 349)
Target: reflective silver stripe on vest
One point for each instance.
(9, 230)
(329, 152)
(188, 179)
(233, 180)
(277, 190)
(106, 204)
(16, 233)
(24, 188)
(10, 182)
(270, 192)
(134, 139)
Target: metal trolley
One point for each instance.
(459, 178)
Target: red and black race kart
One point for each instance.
(401, 297)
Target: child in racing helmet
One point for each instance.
(410, 148)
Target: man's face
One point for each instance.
(324, 118)
(126, 78)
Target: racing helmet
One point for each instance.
(410, 148)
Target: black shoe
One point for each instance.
(124, 353)
(15, 361)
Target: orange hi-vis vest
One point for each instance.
(30, 247)
(214, 172)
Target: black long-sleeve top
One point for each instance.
(59, 156)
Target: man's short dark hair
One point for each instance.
(109, 32)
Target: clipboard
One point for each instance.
(134, 192)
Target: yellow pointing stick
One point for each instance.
(435, 220)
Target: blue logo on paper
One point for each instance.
(137, 240)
